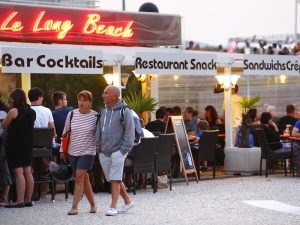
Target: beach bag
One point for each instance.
(238, 142)
(162, 182)
(65, 139)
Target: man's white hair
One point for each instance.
(115, 90)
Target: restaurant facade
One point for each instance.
(70, 40)
(54, 40)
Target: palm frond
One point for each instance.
(249, 102)
(139, 103)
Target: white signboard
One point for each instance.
(271, 65)
(64, 61)
(172, 63)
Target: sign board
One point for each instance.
(183, 145)
(170, 63)
(271, 65)
(34, 60)
(29, 23)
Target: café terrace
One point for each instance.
(143, 41)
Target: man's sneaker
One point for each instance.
(124, 208)
(111, 212)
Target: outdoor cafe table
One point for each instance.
(294, 138)
(284, 136)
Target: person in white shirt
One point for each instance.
(44, 116)
(44, 119)
(5, 179)
(3, 114)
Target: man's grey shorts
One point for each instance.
(113, 166)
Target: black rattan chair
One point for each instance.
(42, 148)
(144, 160)
(269, 155)
(156, 133)
(164, 154)
(207, 149)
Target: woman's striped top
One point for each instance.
(83, 129)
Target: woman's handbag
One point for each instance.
(65, 139)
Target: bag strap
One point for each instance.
(99, 115)
(71, 117)
(122, 113)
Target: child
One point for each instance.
(201, 126)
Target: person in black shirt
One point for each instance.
(159, 124)
(211, 116)
(19, 123)
(271, 131)
(252, 114)
(288, 119)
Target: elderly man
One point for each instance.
(115, 137)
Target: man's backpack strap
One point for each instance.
(122, 111)
(99, 115)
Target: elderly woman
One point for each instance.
(19, 123)
(81, 123)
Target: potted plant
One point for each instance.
(140, 103)
(244, 159)
(247, 103)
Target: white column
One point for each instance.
(117, 76)
(228, 111)
(154, 91)
(248, 86)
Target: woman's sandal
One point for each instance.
(18, 205)
(28, 204)
(72, 213)
(2, 204)
(93, 210)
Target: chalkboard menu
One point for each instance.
(175, 125)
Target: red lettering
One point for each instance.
(61, 27)
(93, 25)
(12, 26)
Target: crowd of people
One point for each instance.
(18, 120)
(195, 124)
(108, 134)
(261, 47)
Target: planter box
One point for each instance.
(244, 161)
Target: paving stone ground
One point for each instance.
(218, 201)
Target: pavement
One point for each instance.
(219, 201)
